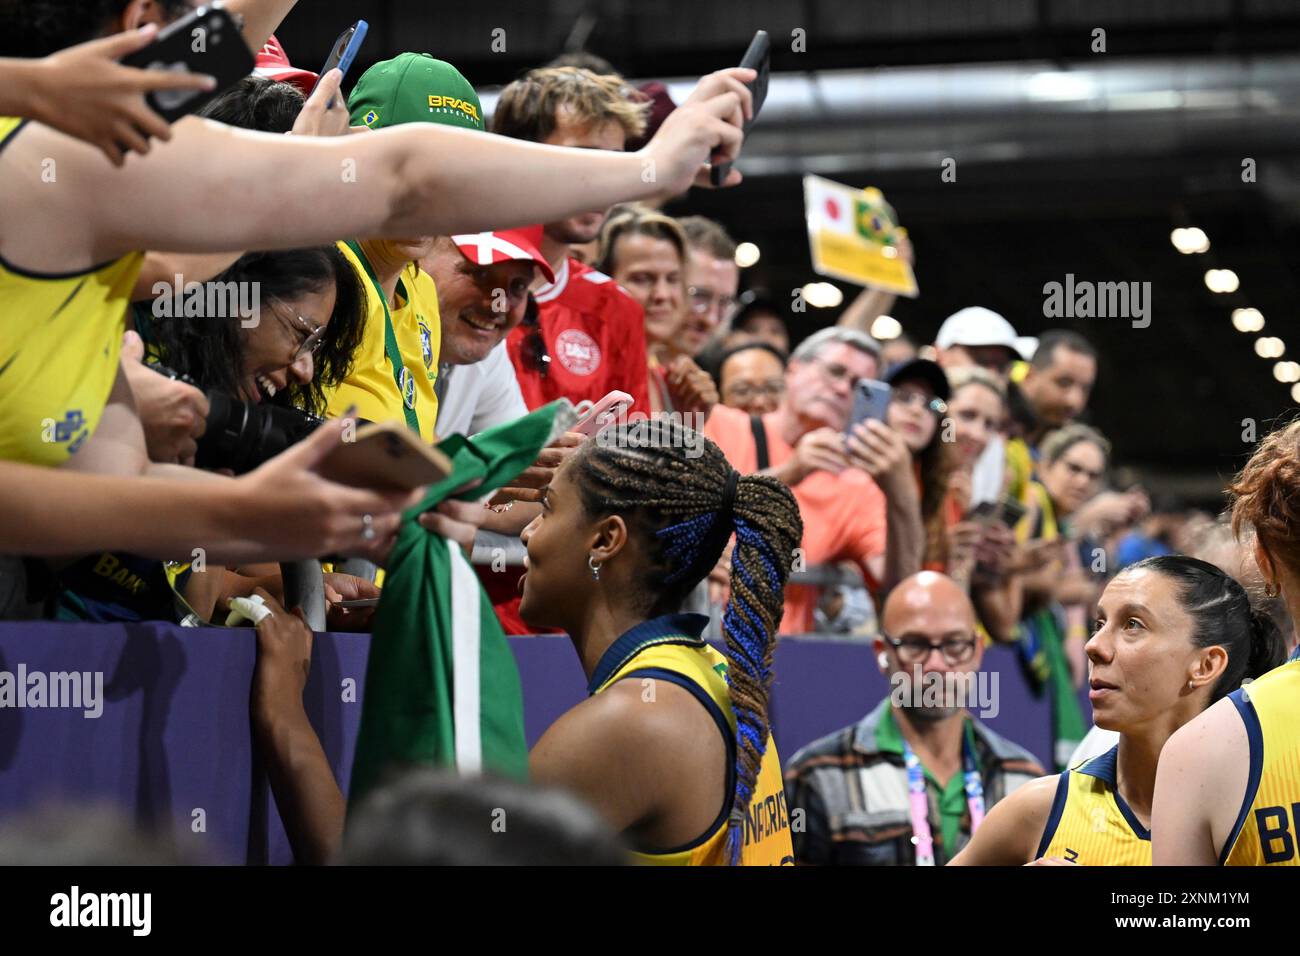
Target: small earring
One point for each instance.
(1271, 590)
(1191, 685)
(595, 568)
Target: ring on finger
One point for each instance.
(367, 528)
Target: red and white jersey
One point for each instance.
(595, 335)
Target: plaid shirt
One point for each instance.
(852, 789)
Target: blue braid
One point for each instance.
(738, 620)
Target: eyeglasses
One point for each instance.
(1078, 471)
(914, 650)
(835, 372)
(703, 299)
(908, 396)
(747, 390)
(312, 336)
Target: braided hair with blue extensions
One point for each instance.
(680, 496)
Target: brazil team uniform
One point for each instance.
(670, 648)
(395, 365)
(59, 346)
(1267, 831)
(1090, 823)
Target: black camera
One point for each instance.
(242, 435)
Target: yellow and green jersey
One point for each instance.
(383, 389)
(1090, 824)
(59, 346)
(1267, 831)
(670, 648)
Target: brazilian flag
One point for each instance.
(442, 687)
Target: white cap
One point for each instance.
(976, 325)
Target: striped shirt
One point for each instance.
(852, 788)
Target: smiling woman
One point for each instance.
(299, 341)
(1173, 636)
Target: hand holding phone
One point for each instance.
(342, 54)
(207, 41)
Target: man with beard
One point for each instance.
(588, 337)
(862, 788)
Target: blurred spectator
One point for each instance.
(897, 350)
(918, 404)
(80, 836)
(426, 817)
(645, 253)
(589, 338)
(1061, 594)
(979, 336)
(712, 281)
(1059, 381)
(751, 377)
(758, 318)
(1154, 537)
(857, 786)
(857, 493)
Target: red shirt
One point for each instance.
(595, 335)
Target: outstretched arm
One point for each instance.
(214, 188)
(261, 18)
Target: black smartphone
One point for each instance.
(343, 53)
(207, 40)
(758, 57)
(870, 400)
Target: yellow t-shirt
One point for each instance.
(1267, 831)
(1090, 823)
(60, 337)
(371, 385)
(669, 648)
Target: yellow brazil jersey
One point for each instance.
(670, 648)
(371, 385)
(1090, 823)
(60, 337)
(1267, 831)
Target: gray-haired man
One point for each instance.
(857, 493)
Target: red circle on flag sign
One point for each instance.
(577, 351)
(832, 207)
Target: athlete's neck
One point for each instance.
(601, 625)
(937, 743)
(387, 267)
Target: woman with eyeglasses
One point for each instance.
(304, 326)
(1173, 636)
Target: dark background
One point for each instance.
(1089, 184)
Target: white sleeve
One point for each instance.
(500, 399)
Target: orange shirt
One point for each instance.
(843, 515)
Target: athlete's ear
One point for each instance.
(609, 539)
(1209, 665)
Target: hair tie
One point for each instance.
(728, 509)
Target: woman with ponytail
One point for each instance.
(1173, 636)
(672, 746)
(1229, 784)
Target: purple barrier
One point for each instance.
(172, 744)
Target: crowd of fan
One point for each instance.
(982, 468)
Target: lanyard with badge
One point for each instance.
(401, 375)
(919, 801)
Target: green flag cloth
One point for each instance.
(442, 686)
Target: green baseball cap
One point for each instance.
(414, 88)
